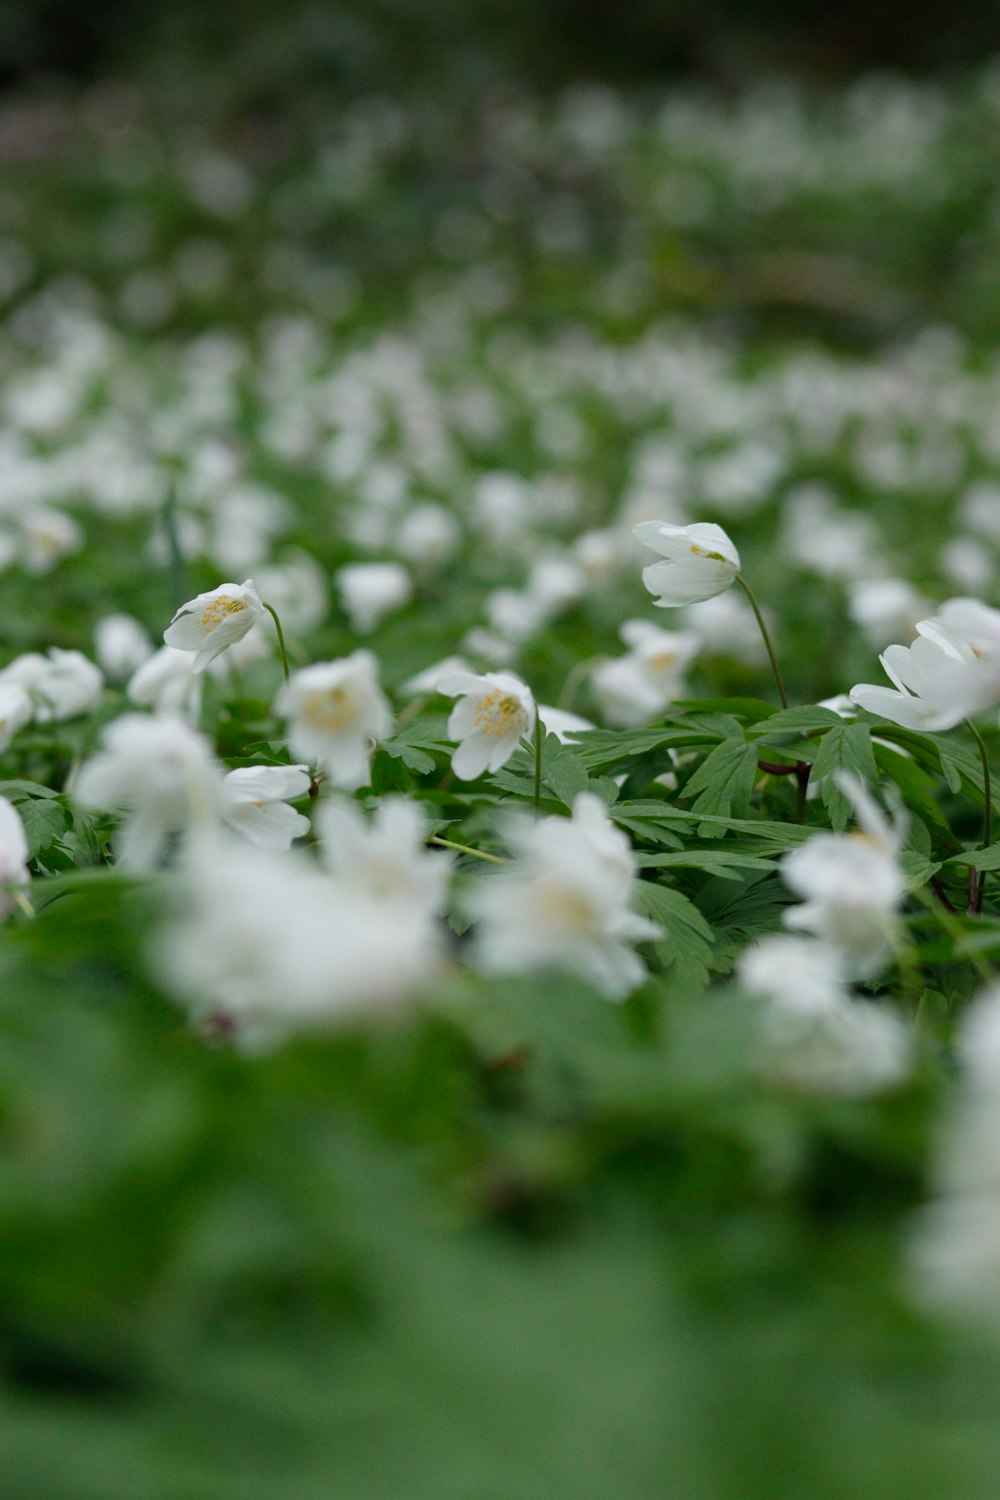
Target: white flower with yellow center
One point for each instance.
(336, 710)
(210, 622)
(493, 714)
(565, 903)
(699, 562)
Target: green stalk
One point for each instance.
(765, 637)
(539, 738)
(494, 859)
(281, 638)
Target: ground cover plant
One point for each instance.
(498, 984)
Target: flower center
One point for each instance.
(220, 609)
(329, 709)
(499, 714)
(567, 911)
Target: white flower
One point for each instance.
(255, 803)
(493, 714)
(851, 884)
(370, 591)
(48, 536)
(167, 683)
(212, 621)
(15, 711)
(941, 679)
(954, 1256)
(298, 591)
(13, 856)
(429, 535)
(122, 646)
(161, 773)
(61, 685)
(565, 902)
(699, 561)
(268, 945)
(335, 710)
(637, 688)
(384, 858)
(811, 1033)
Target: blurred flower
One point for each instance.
(885, 608)
(61, 685)
(384, 858)
(214, 620)
(565, 902)
(266, 945)
(335, 711)
(370, 591)
(160, 773)
(15, 711)
(494, 713)
(13, 856)
(811, 1033)
(167, 683)
(637, 688)
(699, 562)
(122, 645)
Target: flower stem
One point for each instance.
(539, 738)
(976, 888)
(494, 859)
(765, 637)
(281, 637)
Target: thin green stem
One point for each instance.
(765, 637)
(539, 740)
(494, 859)
(976, 891)
(281, 638)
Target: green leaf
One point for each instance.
(797, 721)
(44, 822)
(978, 859)
(741, 708)
(16, 791)
(847, 747)
(611, 747)
(563, 771)
(723, 862)
(724, 780)
(686, 946)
